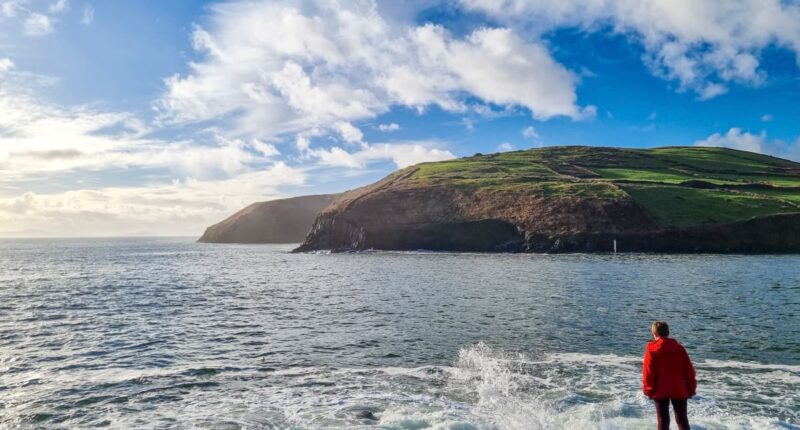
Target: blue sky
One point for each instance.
(129, 118)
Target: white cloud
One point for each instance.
(349, 132)
(314, 69)
(493, 64)
(766, 117)
(88, 15)
(703, 45)
(6, 64)
(37, 137)
(178, 208)
(530, 133)
(186, 185)
(9, 8)
(283, 67)
(58, 6)
(711, 90)
(402, 154)
(265, 149)
(387, 128)
(37, 25)
(504, 147)
(735, 138)
(499, 67)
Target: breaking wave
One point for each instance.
(483, 389)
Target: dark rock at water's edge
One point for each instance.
(776, 234)
(467, 236)
(773, 234)
(575, 199)
(275, 221)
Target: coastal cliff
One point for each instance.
(276, 221)
(574, 199)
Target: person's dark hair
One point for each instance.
(660, 328)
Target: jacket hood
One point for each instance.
(663, 345)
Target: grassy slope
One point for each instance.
(655, 178)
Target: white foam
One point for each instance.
(574, 391)
(483, 389)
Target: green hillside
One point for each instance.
(678, 186)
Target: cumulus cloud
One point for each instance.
(58, 6)
(499, 67)
(6, 64)
(530, 133)
(710, 90)
(736, 138)
(386, 128)
(504, 147)
(402, 154)
(37, 25)
(494, 64)
(349, 132)
(703, 45)
(281, 67)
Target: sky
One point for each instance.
(130, 118)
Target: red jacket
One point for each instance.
(667, 372)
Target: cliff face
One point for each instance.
(574, 199)
(276, 221)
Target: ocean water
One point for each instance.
(166, 333)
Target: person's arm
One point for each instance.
(689, 374)
(648, 374)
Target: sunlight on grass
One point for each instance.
(657, 179)
(681, 207)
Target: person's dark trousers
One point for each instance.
(662, 411)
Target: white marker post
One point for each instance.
(615, 246)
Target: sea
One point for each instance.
(162, 333)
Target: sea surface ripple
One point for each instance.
(167, 333)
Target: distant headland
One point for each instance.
(563, 199)
(275, 221)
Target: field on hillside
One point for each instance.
(678, 186)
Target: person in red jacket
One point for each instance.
(668, 375)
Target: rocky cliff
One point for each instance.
(574, 199)
(276, 221)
